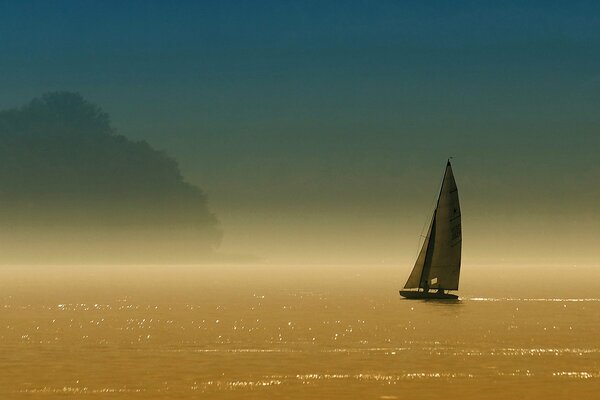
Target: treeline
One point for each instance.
(65, 169)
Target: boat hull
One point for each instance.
(415, 295)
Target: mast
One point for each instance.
(438, 263)
(444, 269)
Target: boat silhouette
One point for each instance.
(437, 268)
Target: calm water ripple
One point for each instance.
(202, 334)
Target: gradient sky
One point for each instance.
(320, 129)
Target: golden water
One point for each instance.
(181, 332)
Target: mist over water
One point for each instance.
(295, 331)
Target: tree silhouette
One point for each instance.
(63, 165)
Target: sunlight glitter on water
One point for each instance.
(79, 390)
(528, 299)
(198, 337)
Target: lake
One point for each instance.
(295, 332)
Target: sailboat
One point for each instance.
(437, 268)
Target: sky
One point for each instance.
(320, 130)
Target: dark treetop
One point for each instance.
(63, 166)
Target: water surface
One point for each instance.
(270, 331)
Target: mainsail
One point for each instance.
(438, 263)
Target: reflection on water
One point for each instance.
(515, 299)
(225, 332)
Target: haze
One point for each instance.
(319, 131)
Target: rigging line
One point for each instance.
(431, 209)
(423, 233)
